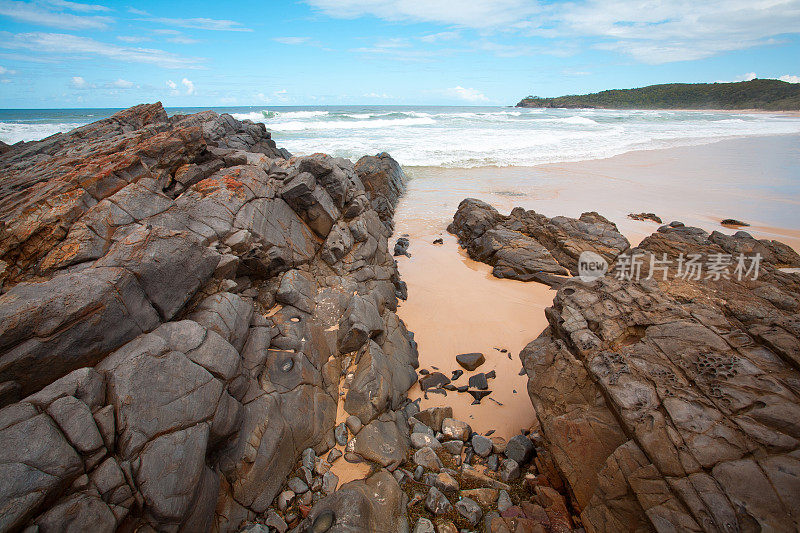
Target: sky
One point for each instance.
(62, 53)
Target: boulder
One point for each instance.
(470, 361)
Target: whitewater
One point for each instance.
(456, 137)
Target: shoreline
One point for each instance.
(456, 306)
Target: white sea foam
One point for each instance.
(473, 136)
(13, 132)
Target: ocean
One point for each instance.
(454, 137)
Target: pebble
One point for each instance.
(456, 429)
(329, 482)
(509, 470)
(427, 458)
(275, 521)
(419, 427)
(445, 526)
(470, 361)
(453, 447)
(436, 502)
(353, 423)
(482, 445)
(484, 496)
(334, 455)
(493, 463)
(297, 485)
(520, 449)
(323, 522)
(446, 483)
(503, 501)
(424, 525)
(340, 434)
(469, 509)
(421, 440)
(285, 499)
(309, 458)
(418, 473)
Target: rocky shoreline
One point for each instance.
(198, 331)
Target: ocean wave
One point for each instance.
(356, 124)
(13, 132)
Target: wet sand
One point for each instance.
(456, 306)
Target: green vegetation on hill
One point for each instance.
(773, 95)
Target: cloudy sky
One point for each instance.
(60, 53)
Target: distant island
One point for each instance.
(771, 95)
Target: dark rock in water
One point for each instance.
(479, 394)
(456, 374)
(733, 222)
(401, 246)
(470, 361)
(438, 241)
(645, 216)
(433, 380)
(525, 245)
(676, 224)
(491, 374)
(479, 381)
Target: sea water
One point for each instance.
(454, 137)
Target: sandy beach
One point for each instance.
(456, 306)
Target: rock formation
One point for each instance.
(673, 404)
(527, 246)
(179, 298)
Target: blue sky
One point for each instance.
(60, 53)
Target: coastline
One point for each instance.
(456, 306)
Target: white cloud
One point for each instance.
(59, 43)
(77, 82)
(470, 13)
(469, 95)
(75, 6)
(138, 12)
(291, 40)
(189, 86)
(202, 24)
(377, 95)
(789, 78)
(441, 36)
(4, 71)
(132, 39)
(180, 39)
(122, 84)
(34, 14)
(171, 84)
(651, 31)
(276, 96)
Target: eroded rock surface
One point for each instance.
(178, 297)
(527, 246)
(673, 404)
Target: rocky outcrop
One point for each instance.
(527, 246)
(671, 403)
(180, 299)
(384, 180)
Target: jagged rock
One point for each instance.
(433, 380)
(433, 416)
(525, 244)
(170, 291)
(479, 381)
(445, 482)
(485, 496)
(384, 181)
(353, 423)
(503, 501)
(645, 216)
(650, 394)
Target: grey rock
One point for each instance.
(503, 501)
(470, 361)
(482, 445)
(470, 510)
(456, 429)
(427, 458)
(297, 485)
(509, 470)
(353, 424)
(453, 447)
(329, 482)
(520, 449)
(421, 440)
(340, 434)
(423, 525)
(437, 503)
(285, 499)
(334, 455)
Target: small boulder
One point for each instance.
(423, 525)
(427, 458)
(503, 501)
(469, 509)
(478, 381)
(433, 416)
(456, 429)
(470, 361)
(421, 440)
(520, 449)
(446, 483)
(437, 503)
(509, 470)
(482, 445)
